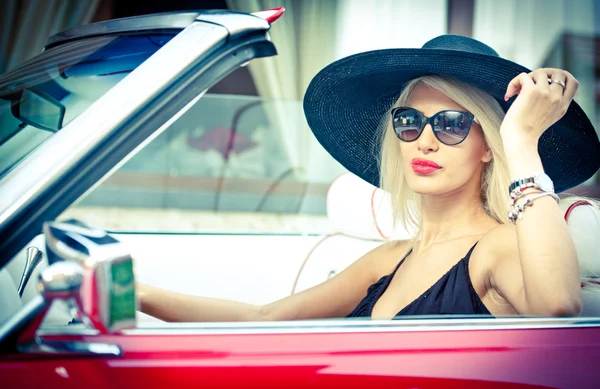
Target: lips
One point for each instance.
(424, 166)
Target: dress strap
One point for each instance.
(468, 256)
(402, 261)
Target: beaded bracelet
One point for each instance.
(516, 213)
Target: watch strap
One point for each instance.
(518, 186)
(522, 183)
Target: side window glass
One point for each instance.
(234, 155)
(230, 196)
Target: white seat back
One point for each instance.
(583, 220)
(359, 214)
(361, 210)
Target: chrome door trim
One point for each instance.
(363, 326)
(55, 157)
(342, 326)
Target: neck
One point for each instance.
(452, 216)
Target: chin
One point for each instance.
(426, 185)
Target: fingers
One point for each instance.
(517, 84)
(557, 75)
(540, 78)
(560, 98)
(567, 93)
(571, 85)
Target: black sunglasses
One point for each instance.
(450, 127)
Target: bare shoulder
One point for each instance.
(498, 241)
(379, 260)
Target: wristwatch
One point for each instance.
(540, 181)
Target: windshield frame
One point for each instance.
(67, 165)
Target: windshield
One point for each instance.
(47, 92)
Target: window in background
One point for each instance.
(229, 164)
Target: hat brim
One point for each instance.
(346, 101)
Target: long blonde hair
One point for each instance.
(495, 177)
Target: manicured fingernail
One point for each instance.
(505, 98)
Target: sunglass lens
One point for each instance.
(452, 127)
(407, 124)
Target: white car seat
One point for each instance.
(583, 220)
(360, 214)
(360, 218)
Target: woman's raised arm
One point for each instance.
(537, 268)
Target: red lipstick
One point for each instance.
(424, 166)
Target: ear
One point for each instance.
(487, 156)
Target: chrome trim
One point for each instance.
(179, 20)
(89, 253)
(71, 329)
(33, 257)
(362, 326)
(61, 280)
(64, 150)
(343, 326)
(237, 23)
(71, 348)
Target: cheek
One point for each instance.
(404, 150)
(467, 160)
(464, 160)
(475, 146)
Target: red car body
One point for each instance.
(453, 357)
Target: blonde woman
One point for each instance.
(472, 149)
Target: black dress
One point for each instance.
(453, 294)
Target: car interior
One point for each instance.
(263, 275)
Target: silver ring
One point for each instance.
(559, 82)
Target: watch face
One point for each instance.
(545, 183)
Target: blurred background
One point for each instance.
(276, 176)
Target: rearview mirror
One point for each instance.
(39, 110)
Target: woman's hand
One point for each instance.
(538, 106)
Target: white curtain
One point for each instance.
(526, 32)
(25, 25)
(305, 40)
(380, 24)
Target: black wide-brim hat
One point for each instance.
(346, 101)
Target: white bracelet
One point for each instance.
(516, 213)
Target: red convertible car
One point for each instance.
(79, 118)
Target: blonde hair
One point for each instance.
(495, 177)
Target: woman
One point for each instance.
(470, 146)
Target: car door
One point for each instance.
(411, 353)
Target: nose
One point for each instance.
(427, 142)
